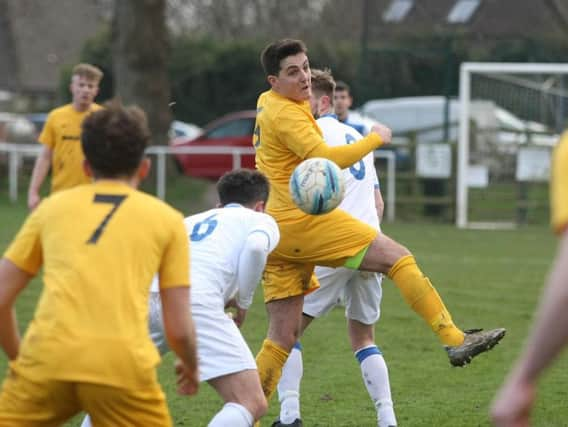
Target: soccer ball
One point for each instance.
(317, 186)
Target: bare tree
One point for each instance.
(228, 19)
(139, 60)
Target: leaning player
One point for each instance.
(228, 251)
(88, 348)
(286, 133)
(360, 291)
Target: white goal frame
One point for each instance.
(466, 71)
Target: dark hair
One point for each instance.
(275, 52)
(244, 186)
(322, 82)
(114, 139)
(342, 86)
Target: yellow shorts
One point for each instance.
(309, 241)
(52, 402)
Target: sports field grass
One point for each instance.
(487, 278)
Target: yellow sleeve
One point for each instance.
(174, 267)
(25, 251)
(299, 133)
(47, 135)
(346, 155)
(559, 186)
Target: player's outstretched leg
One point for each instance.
(387, 256)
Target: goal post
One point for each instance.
(533, 91)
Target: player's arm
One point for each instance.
(176, 310)
(299, 134)
(12, 281)
(180, 333)
(549, 336)
(41, 168)
(379, 204)
(252, 260)
(514, 401)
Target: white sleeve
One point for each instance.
(252, 259)
(155, 285)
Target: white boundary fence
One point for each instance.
(17, 151)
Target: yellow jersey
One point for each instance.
(100, 244)
(62, 133)
(559, 186)
(285, 134)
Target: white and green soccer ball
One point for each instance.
(317, 186)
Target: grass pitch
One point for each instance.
(487, 279)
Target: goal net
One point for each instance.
(510, 118)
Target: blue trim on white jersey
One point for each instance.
(297, 346)
(366, 352)
(358, 127)
(233, 205)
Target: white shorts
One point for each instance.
(359, 291)
(221, 349)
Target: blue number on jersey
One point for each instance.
(256, 137)
(197, 235)
(358, 169)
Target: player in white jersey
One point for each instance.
(228, 250)
(359, 291)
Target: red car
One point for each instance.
(234, 130)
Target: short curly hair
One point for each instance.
(323, 82)
(243, 186)
(275, 52)
(114, 139)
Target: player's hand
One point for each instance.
(187, 379)
(239, 316)
(513, 404)
(384, 132)
(33, 201)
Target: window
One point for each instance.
(462, 11)
(397, 10)
(234, 128)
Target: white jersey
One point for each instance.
(359, 123)
(360, 179)
(217, 237)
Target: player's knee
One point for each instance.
(257, 405)
(261, 407)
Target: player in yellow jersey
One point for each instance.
(513, 404)
(61, 136)
(286, 133)
(88, 347)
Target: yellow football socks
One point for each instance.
(270, 360)
(421, 296)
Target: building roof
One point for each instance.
(491, 19)
(38, 38)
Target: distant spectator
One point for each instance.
(343, 102)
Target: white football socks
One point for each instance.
(376, 378)
(234, 415)
(289, 386)
(86, 421)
